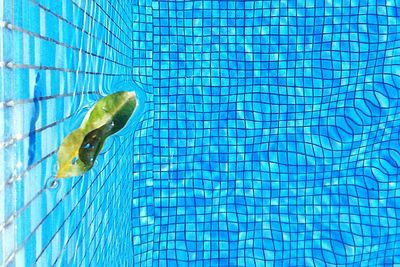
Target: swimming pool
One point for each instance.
(268, 135)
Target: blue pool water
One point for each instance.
(269, 133)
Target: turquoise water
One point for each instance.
(268, 133)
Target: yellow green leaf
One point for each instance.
(79, 150)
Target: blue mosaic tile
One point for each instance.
(277, 127)
(270, 136)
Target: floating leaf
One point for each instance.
(79, 150)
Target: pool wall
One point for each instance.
(56, 59)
